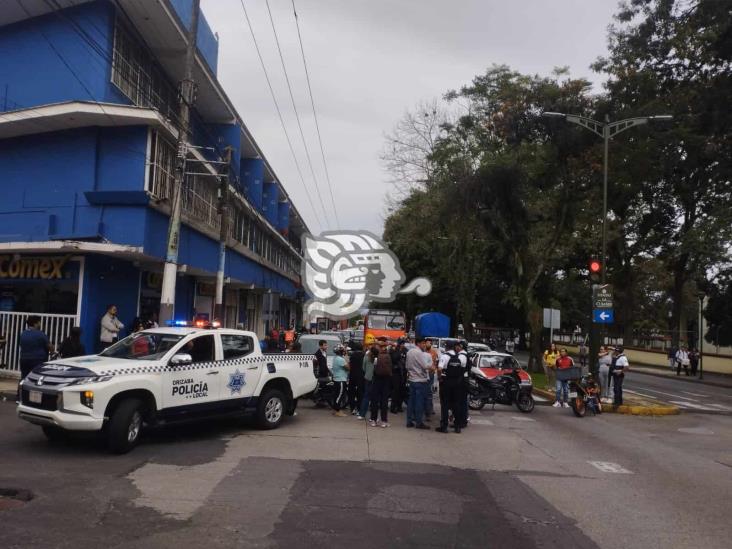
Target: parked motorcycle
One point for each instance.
(584, 394)
(326, 392)
(505, 389)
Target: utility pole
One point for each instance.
(186, 99)
(223, 237)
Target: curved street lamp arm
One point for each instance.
(592, 125)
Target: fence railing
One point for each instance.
(56, 327)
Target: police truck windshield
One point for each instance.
(142, 346)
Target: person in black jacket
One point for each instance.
(320, 361)
(72, 345)
(398, 379)
(355, 377)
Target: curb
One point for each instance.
(627, 409)
(682, 378)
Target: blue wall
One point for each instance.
(47, 179)
(107, 281)
(31, 72)
(252, 178)
(270, 199)
(206, 41)
(283, 216)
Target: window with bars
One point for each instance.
(200, 202)
(137, 75)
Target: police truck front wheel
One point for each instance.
(271, 409)
(125, 425)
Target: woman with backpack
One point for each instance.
(381, 385)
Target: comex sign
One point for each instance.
(345, 270)
(44, 268)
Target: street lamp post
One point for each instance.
(607, 130)
(701, 296)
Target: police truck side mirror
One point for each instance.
(181, 359)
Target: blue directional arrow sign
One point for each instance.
(603, 316)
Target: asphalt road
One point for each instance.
(510, 480)
(690, 397)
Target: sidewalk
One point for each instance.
(634, 405)
(8, 388)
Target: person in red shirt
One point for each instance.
(562, 391)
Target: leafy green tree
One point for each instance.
(674, 56)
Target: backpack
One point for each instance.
(454, 369)
(382, 366)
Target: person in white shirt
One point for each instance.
(110, 327)
(682, 360)
(619, 369)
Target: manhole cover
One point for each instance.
(11, 498)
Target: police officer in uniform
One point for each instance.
(452, 370)
(463, 391)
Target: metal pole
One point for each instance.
(186, 98)
(606, 134)
(701, 340)
(223, 236)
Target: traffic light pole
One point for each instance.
(607, 131)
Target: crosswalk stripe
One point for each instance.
(669, 394)
(692, 405)
(694, 394)
(641, 394)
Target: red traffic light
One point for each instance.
(595, 266)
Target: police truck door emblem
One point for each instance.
(236, 382)
(344, 270)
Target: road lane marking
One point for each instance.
(641, 394)
(481, 422)
(694, 394)
(696, 430)
(669, 394)
(610, 467)
(521, 418)
(692, 405)
(721, 407)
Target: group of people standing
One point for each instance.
(383, 378)
(612, 367)
(684, 358)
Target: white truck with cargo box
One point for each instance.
(164, 375)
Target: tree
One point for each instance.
(674, 56)
(498, 161)
(718, 311)
(410, 144)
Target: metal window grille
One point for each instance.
(137, 76)
(12, 323)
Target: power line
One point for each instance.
(315, 116)
(279, 114)
(294, 107)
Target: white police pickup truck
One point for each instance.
(164, 375)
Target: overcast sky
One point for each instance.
(370, 61)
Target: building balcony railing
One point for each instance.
(200, 204)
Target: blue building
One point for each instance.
(88, 126)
